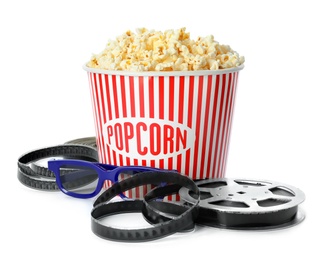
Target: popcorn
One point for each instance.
(171, 50)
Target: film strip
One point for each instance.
(242, 204)
(87, 141)
(161, 228)
(38, 177)
(246, 204)
(158, 211)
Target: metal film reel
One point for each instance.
(246, 204)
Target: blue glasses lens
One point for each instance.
(78, 179)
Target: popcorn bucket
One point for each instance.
(179, 120)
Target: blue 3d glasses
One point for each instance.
(84, 179)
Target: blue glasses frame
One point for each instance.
(105, 172)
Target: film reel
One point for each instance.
(246, 204)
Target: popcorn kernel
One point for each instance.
(171, 50)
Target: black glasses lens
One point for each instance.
(78, 179)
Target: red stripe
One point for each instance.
(219, 122)
(98, 118)
(137, 192)
(132, 96)
(151, 97)
(114, 155)
(171, 98)
(189, 122)
(212, 137)
(124, 112)
(102, 98)
(198, 115)
(161, 97)
(108, 97)
(161, 163)
(90, 77)
(170, 163)
(171, 113)
(179, 162)
(151, 105)
(130, 193)
(116, 102)
(145, 190)
(108, 150)
(109, 111)
(141, 96)
(152, 163)
(205, 128)
(181, 100)
(128, 161)
(234, 86)
(224, 127)
(191, 101)
(103, 156)
(123, 96)
(107, 184)
(227, 130)
(120, 160)
(180, 117)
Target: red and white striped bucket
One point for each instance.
(170, 120)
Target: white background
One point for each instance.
(45, 101)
